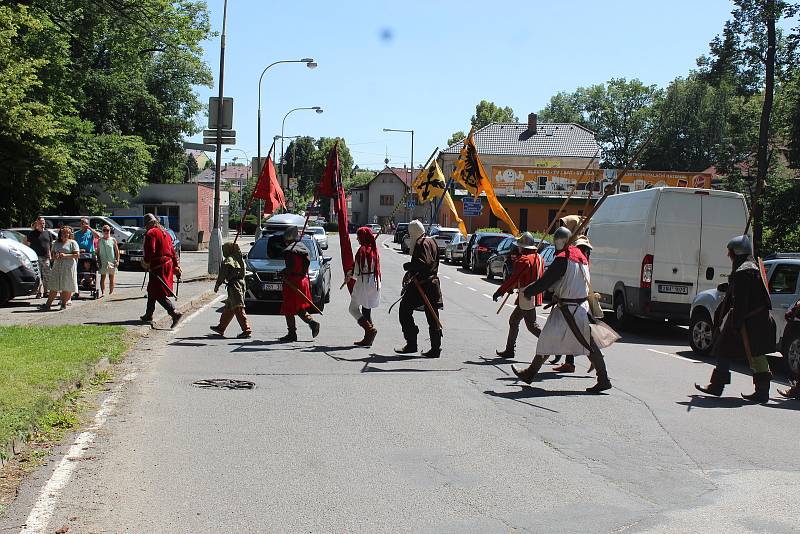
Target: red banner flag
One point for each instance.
(331, 186)
(268, 188)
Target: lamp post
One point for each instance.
(283, 124)
(215, 241)
(408, 186)
(311, 64)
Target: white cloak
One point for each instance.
(366, 292)
(557, 337)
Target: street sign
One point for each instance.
(198, 146)
(472, 207)
(227, 113)
(293, 183)
(223, 141)
(290, 204)
(410, 203)
(225, 133)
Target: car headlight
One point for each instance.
(23, 259)
(312, 276)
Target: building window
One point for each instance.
(542, 183)
(387, 200)
(361, 197)
(523, 219)
(551, 215)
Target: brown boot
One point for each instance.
(527, 375)
(369, 333)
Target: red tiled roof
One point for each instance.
(404, 173)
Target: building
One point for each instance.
(382, 200)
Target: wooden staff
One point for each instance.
(427, 302)
(288, 283)
(505, 300)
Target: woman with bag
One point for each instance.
(108, 257)
(366, 279)
(64, 272)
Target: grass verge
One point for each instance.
(39, 369)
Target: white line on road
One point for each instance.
(444, 275)
(487, 296)
(673, 356)
(459, 283)
(510, 306)
(45, 505)
(472, 289)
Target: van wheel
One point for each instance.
(792, 354)
(621, 314)
(489, 275)
(5, 291)
(701, 332)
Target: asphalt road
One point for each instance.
(341, 439)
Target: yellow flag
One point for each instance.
(429, 184)
(452, 207)
(469, 173)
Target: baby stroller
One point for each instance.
(87, 274)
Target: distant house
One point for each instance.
(381, 200)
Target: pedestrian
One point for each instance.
(108, 257)
(568, 329)
(162, 266)
(296, 287)
(421, 283)
(583, 244)
(231, 273)
(41, 242)
(64, 273)
(366, 277)
(746, 329)
(792, 332)
(528, 267)
(85, 236)
(571, 223)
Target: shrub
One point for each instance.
(331, 227)
(249, 226)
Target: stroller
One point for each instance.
(87, 274)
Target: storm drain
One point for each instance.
(223, 383)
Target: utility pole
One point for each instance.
(215, 242)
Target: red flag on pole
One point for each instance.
(331, 186)
(268, 188)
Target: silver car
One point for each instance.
(454, 251)
(320, 235)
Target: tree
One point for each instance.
(299, 163)
(359, 178)
(488, 112)
(565, 107)
(456, 137)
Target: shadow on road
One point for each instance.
(493, 361)
(702, 401)
(127, 322)
(368, 369)
(527, 392)
(520, 396)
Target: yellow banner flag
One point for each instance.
(452, 207)
(430, 184)
(469, 172)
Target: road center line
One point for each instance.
(485, 295)
(459, 283)
(673, 356)
(472, 289)
(445, 276)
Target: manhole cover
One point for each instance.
(224, 383)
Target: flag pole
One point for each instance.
(441, 200)
(252, 195)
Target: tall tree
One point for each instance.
(299, 163)
(456, 137)
(488, 112)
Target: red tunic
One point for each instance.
(527, 269)
(160, 255)
(296, 273)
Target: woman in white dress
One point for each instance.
(366, 283)
(64, 271)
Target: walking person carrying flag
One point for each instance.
(296, 288)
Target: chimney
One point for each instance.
(531, 123)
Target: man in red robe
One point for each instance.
(162, 263)
(295, 285)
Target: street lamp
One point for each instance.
(283, 123)
(311, 64)
(215, 241)
(408, 186)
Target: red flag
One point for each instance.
(331, 186)
(269, 189)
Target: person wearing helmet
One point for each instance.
(746, 329)
(528, 267)
(231, 273)
(424, 268)
(571, 223)
(295, 278)
(583, 244)
(567, 330)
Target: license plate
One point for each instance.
(271, 287)
(676, 290)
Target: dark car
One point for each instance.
(264, 279)
(480, 247)
(501, 263)
(400, 232)
(131, 252)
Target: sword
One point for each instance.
(427, 302)
(163, 283)
(144, 279)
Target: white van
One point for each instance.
(19, 270)
(654, 250)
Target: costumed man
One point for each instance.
(746, 329)
(571, 223)
(162, 265)
(232, 273)
(527, 268)
(567, 330)
(583, 244)
(366, 280)
(421, 278)
(295, 285)
(791, 336)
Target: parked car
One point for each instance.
(26, 233)
(131, 229)
(501, 263)
(376, 229)
(784, 291)
(481, 245)
(405, 246)
(400, 232)
(95, 221)
(655, 249)
(454, 251)
(320, 235)
(19, 270)
(279, 223)
(131, 252)
(8, 233)
(443, 237)
(264, 279)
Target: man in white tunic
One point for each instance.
(567, 330)
(366, 285)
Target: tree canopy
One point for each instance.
(488, 112)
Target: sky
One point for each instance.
(424, 65)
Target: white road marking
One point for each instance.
(444, 275)
(673, 356)
(459, 283)
(487, 296)
(510, 306)
(472, 289)
(45, 504)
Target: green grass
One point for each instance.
(38, 368)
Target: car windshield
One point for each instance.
(317, 231)
(491, 241)
(272, 248)
(447, 235)
(138, 236)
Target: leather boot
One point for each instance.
(369, 333)
(224, 321)
(241, 318)
(506, 353)
(792, 393)
(603, 383)
(761, 381)
(291, 336)
(436, 343)
(717, 383)
(527, 375)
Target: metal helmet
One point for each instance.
(560, 237)
(741, 245)
(526, 241)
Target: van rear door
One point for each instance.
(724, 217)
(676, 249)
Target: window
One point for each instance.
(523, 219)
(784, 280)
(551, 214)
(387, 200)
(361, 197)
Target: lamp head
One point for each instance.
(310, 63)
(318, 109)
(227, 149)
